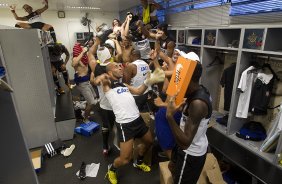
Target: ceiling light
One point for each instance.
(2, 4)
(84, 7)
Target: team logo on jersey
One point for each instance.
(122, 90)
(144, 68)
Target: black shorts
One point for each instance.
(37, 25)
(58, 65)
(188, 168)
(132, 130)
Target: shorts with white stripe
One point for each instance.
(132, 130)
(188, 168)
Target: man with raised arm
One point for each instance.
(34, 19)
(190, 135)
(129, 123)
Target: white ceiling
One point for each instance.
(105, 5)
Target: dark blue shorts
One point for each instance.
(163, 131)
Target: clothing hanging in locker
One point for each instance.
(227, 81)
(245, 87)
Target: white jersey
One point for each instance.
(245, 86)
(144, 48)
(34, 17)
(104, 103)
(141, 74)
(200, 142)
(123, 103)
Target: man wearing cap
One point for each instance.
(135, 73)
(105, 55)
(190, 135)
(80, 64)
(108, 118)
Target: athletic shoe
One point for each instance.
(67, 152)
(111, 176)
(106, 152)
(82, 172)
(142, 167)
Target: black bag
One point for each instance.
(53, 148)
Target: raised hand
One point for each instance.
(153, 54)
(159, 34)
(129, 17)
(172, 107)
(12, 7)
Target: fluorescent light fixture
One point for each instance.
(2, 4)
(84, 7)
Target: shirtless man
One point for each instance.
(34, 19)
(126, 47)
(80, 64)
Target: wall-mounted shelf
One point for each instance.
(254, 147)
(210, 37)
(228, 38)
(252, 51)
(221, 48)
(192, 45)
(194, 36)
(253, 38)
(273, 41)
